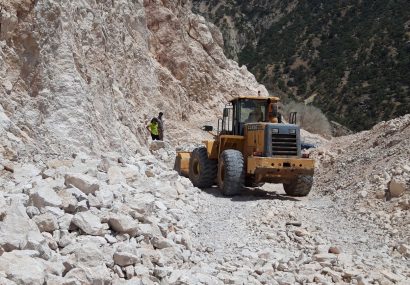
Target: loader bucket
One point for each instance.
(182, 163)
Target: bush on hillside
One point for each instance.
(309, 118)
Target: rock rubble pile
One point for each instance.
(94, 221)
(132, 220)
(365, 178)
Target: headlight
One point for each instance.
(292, 131)
(275, 131)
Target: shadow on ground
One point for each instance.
(250, 194)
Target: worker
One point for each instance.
(254, 116)
(160, 126)
(153, 129)
(251, 117)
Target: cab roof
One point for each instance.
(262, 98)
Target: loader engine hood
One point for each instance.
(282, 140)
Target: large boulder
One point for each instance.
(88, 223)
(46, 222)
(90, 275)
(36, 241)
(122, 223)
(44, 196)
(87, 184)
(89, 255)
(23, 269)
(69, 201)
(115, 175)
(125, 258)
(25, 172)
(15, 226)
(105, 197)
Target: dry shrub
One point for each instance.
(309, 118)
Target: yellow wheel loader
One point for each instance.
(252, 146)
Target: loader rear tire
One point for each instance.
(300, 186)
(231, 172)
(202, 170)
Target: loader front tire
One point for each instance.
(202, 170)
(231, 172)
(300, 186)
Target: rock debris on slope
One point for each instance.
(132, 220)
(95, 221)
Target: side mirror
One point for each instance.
(207, 128)
(226, 112)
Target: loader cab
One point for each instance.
(245, 110)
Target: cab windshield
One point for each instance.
(252, 111)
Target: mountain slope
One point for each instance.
(86, 75)
(350, 58)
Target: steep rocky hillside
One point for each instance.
(88, 75)
(350, 58)
(132, 220)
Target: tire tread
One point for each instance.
(208, 168)
(234, 172)
(300, 187)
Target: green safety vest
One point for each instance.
(154, 128)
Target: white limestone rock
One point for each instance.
(105, 197)
(69, 201)
(88, 223)
(323, 257)
(87, 184)
(122, 223)
(23, 269)
(36, 241)
(90, 275)
(46, 222)
(132, 173)
(104, 165)
(149, 230)
(140, 270)
(24, 172)
(58, 280)
(88, 255)
(161, 242)
(5, 281)
(404, 249)
(15, 226)
(125, 258)
(115, 175)
(51, 242)
(44, 196)
(32, 211)
(64, 222)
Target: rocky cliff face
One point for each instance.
(85, 75)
